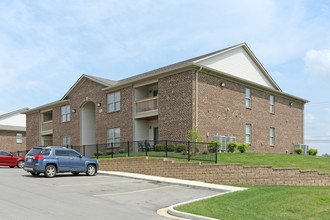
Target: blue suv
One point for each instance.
(52, 160)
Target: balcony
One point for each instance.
(47, 127)
(147, 108)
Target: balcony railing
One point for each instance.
(47, 126)
(147, 105)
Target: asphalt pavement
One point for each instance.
(111, 196)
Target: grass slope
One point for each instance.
(321, 164)
(266, 202)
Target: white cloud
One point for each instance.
(317, 62)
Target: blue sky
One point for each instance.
(45, 46)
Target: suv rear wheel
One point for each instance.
(91, 170)
(50, 171)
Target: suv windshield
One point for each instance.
(39, 151)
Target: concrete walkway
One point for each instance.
(195, 184)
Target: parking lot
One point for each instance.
(82, 197)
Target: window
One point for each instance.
(114, 102)
(19, 137)
(65, 113)
(62, 153)
(66, 141)
(272, 136)
(113, 137)
(272, 104)
(248, 133)
(248, 98)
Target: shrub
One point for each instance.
(181, 147)
(231, 146)
(170, 147)
(205, 152)
(213, 145)
(121, 151)
(298, 150)
(159, 147)
(312, 152)
(109, 152)
(242, 147)
(184, 152)
(98, 154)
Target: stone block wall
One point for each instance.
(217, 173)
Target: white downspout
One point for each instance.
(196, 96)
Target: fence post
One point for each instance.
(166, 147)
(145, 146)
(84, 150)
(97, 151)
(127, 148)
(188, 150)
(112, 150)
(216, 152)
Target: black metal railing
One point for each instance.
(185, 150)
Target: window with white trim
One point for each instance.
(248, 98)
(248, 133)
(65, 113)
(66, 141)
(114, 102)
(19, 138)
(272, 136)
(272, 104)
(113, 137)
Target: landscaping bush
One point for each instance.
(184, 152)
(109, 152)
(181, 147)
(312, 152)
(231, 146)
(159, 147)
(213, 144)
(298, 150)
(121, 151)
(98, 154)
(205, 152)
(242, 147)
(170, 147)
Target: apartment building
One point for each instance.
(226, 93)
(12, 132)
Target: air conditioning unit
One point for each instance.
(304, 147)
(223, 140)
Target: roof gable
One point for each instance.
(82, 79)
(239, 62)
(15, 118)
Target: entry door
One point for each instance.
(156, 135)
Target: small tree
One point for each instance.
(298, 150)
(242, 147)
(312, 152)
(231, 146)
(194, 136)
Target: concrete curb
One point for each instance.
(194, 184)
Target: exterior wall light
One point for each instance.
(74, 110)
(99, 104)
(291, 104)
(222, 84)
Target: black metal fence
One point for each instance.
(191, 151)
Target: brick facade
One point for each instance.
(8, 141)
(221, 110)
(218, 173)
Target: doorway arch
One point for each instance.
(87, 127)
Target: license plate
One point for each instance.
(29, 160)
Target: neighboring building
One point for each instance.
(12, 132)
(224, 93)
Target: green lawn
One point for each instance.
(266, 202)
(321, 164)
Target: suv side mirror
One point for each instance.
(80, 156)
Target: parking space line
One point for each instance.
(131, 192)
(100, 183)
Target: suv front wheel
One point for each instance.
(91, 170)
(50, 171)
